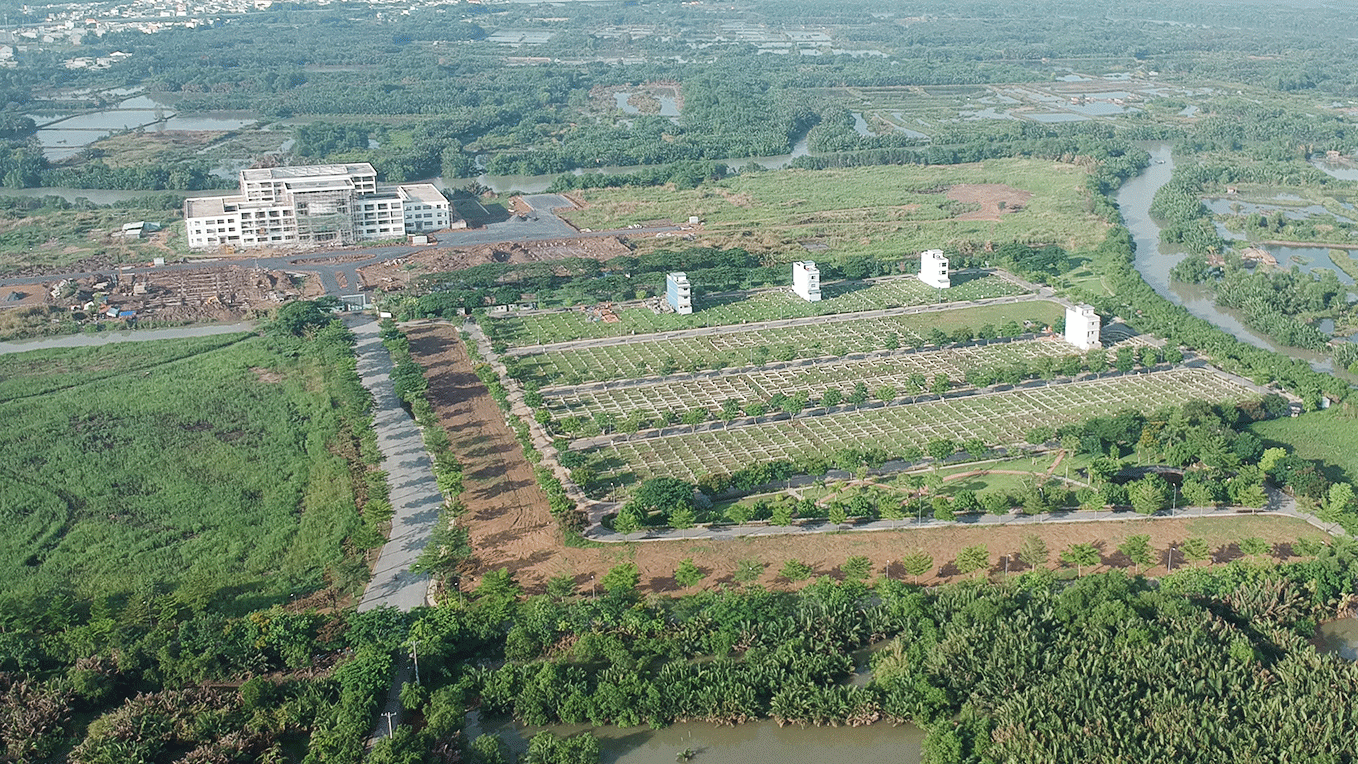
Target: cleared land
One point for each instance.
(219, 469)
(507, 517)
(758, 384)
(868, 210)
(998, 418)
(743, 307)
(576, 365)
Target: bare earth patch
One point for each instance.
(989, 196)
(264, 375)
(397, 273)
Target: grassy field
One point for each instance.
(215, 470)
(867, 210)
(997, 419)
(1324, 435)
(744, 307)
(621, 361)
(896, 371)
(33, 236)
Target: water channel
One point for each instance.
(1338, 637)
(761, 742)
(1154, 263)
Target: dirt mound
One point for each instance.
(395, 274)
(995, 199)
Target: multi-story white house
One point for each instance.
(678, 293)
(933, 269)
(1082, 327)
(806, 280)
(315, 204)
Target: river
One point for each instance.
(1154, 263)
(761, 742)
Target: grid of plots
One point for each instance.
(759, 384)
(633, 359)
(998, 418)
(765, 305)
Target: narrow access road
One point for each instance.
(415, 495)
(134, 335)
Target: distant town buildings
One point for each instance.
(314, 204)
(1082, 327)
(678, 293)
(806, 280)
(933, 269)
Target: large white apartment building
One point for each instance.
(315, 204)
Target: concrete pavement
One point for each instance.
(415, 495)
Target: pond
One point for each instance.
(761, 742)
(1339, 637)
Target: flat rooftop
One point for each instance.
(207, 206)
(307, 171)
(425, 193)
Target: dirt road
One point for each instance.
(507, 516)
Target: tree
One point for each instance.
(626, 521)
(1149, 495)
(941, 448)
(688, 573)
(940, 385)
(1033, 551)
(917, 564)
(1096, 360)
(1198, 493)
(975, 448)
(748, 570)
(1125, 359)
(856, 568)
(1080, 556)
(1338, 501)
(560, 587)
(694, 417)
(972, 559)
(730, 409)
(885, 393)
(838, 515)
(859, 396)
(1255, 546)
(1137, 549)
(1196, 549)
(621, 580)
(831, 397)
(795, 570)
(681, 518)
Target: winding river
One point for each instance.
(1154, 262)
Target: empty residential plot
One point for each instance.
(745, 307)
(895, 371)
(863, 210)
(651, 355)
(997, 419)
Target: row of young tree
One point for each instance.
(1211, 459)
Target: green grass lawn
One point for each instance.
(1324, 435)
(213, 470)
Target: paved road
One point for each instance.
(415, 495)
(136, 335)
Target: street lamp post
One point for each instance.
(390, 731)
(1169, 566)
(415, 655)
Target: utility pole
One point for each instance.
(1169, 566)
(390, 731)
(415, 655)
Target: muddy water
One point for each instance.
(1338, 638)
(1154, 263)
(762, 742)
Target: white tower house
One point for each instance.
(806, 281)
(678, 293)
(933, 269)
(1082, 327)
